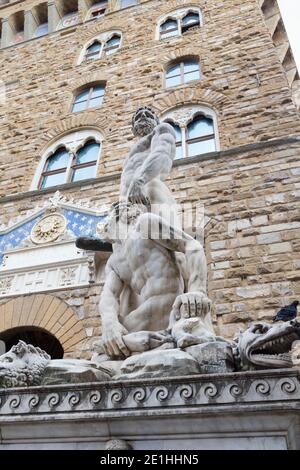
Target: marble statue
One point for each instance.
(154, 283)
(155, 312)
(26, 365)
(268, 346)
(156, 354)
(147, 263)
(23, 365)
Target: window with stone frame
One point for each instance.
(189, 21)
(17, 22)
(196, 130)
(40, 13)
(93, 52)
(179, 22)
(169, 28)
(182, 72)
(68, 12)
(97, 9)
(128, 3)
(65, 165)
(55, 170)
(112, 45)
(88, 98)
(104, 44)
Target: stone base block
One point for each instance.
(245, 411)
(213, 358)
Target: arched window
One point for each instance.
(200, 136)
(104, 44)
(85, 161)
(93, 52)
(40, 12)
(189, 21)
(182, 72)
(55, 170)
(112, 45)
(196, 130)
(179, 22)
(169, 28)
(98, 9)
(91, 97)
(66, 165)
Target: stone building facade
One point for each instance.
(247, 90)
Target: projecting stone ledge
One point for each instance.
(259, 409)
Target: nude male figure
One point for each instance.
(147, 263)
(145, 169)
(148, 164)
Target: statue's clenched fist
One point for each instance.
(192, 304)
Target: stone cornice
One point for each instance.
(190, 161)
(257, 388)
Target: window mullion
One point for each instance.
(89, 97)
(184, 141)
(182, 72)
(179, 27)
(69, 170)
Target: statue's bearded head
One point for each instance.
(22, 366)
(144, 122)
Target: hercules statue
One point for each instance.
(151, 281)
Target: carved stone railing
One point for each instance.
(245, 388)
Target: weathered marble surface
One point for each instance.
(261, 346)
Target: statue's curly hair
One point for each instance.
(22, 348)
(147, 108)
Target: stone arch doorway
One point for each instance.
(35, 336)
(47, 313)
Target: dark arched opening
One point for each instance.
(35, 336)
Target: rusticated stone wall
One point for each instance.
(251, 189)
(243, 80)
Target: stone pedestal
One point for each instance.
(213, 358)
(253, 410)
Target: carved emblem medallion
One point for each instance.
(48, 229)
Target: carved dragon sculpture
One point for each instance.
(267, 346)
